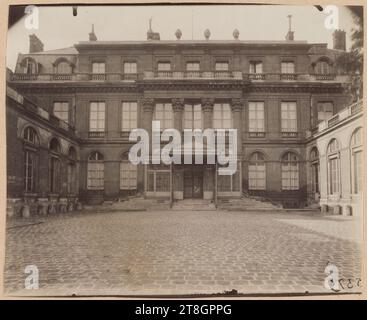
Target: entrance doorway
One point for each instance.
(193, 182)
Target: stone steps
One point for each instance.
(247, 204)
(193, 205)
(141, 204)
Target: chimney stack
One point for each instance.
(339, 40)
(35, 44)
(152, 35)
(92, 35)
(290, 34)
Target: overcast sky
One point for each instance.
(58, 28)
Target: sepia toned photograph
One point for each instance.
(184, 150)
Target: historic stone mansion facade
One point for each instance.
(70, 111)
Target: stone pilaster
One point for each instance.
(237, 107)
(178, 106)
(148, 109)
(207, 107)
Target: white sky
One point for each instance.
(58, 28)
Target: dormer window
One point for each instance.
(130, 68)
(193, 66)
(322, 67)
(63, 67)
(98, 67)
(256, 67)
(221, 66)
(164, 66)
(30, 66)
(287, 67)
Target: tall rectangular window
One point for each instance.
(129, 116)
(163, 113)
(95, 176)
(98, 67)
(222, 116)
(287, 67)
(256, 67)
(97, 116)
(256, 117)
(289, 116)
(333, 175)
(358, 173)
(325, 111)
(130, 68)
(29, 171)
(128, 176)
(61, 110)
(192, 116)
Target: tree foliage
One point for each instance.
(351, 62)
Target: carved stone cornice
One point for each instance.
(207, 104)
(177, 104)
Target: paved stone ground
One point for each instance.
(163, 253)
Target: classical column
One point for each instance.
(177, 105)
(237, 106)
(207, 107)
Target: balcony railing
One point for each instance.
(96, 134)
(63, 77)
(257, 134)
(256, 76)
(24, 77)
(356, 107)
(339, 117)
(179, 75)
(98, 76)
(334, 120)
(289, 134)
(324, 77)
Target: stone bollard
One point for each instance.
(336, 210)
(25, 211)
(79, 206)
(63, 207)
(324, 208)
(52, 208)
(70, 207)
(347, 211)
(42, 209)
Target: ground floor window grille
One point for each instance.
(158, 180)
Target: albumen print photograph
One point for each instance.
(184, 150)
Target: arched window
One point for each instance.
(290, 171)
(63, 67)
(55, 166)
(128, 174)
(30, 136)
(357, 160)
(333, 167)
(314, 159)
(72, 181)
(30, 159)
(322, 67)
(95, 174)
(257, 172)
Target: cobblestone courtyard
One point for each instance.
(159, 253)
